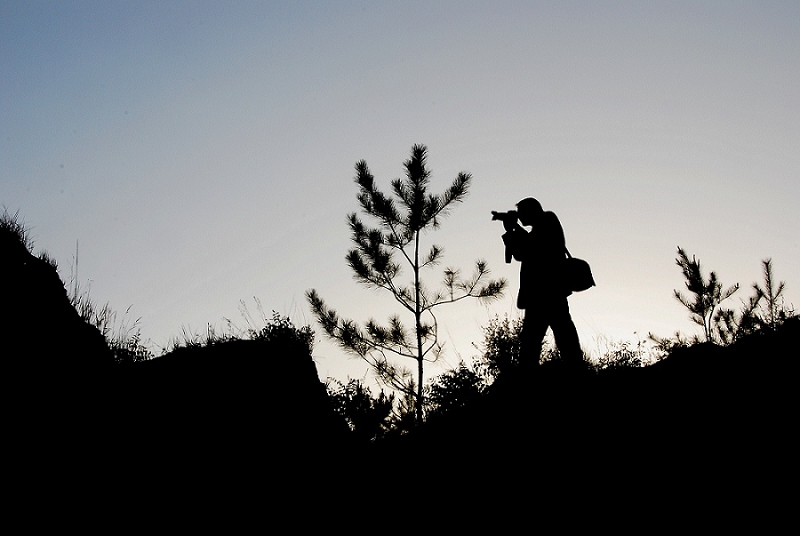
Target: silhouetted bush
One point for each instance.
(501, 346)
(454, 390)
(369, 417)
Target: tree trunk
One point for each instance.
(418, 325)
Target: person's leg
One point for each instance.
(534, 328)
(565, 334)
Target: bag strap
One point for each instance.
(568, 253)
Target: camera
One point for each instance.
(511, 215)
(507, 218)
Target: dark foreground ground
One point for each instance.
(228, 420)
(244, 430)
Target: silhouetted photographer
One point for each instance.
(545, 281)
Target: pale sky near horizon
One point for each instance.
(202, 153)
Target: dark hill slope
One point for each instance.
(43, 334)
(73, 411)
(195, 422)
(707, 417)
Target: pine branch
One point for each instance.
(459, 289)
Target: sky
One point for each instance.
(198, 155)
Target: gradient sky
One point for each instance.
(202, 153)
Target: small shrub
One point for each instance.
(454, 389)
(369, 417)
(501, 347)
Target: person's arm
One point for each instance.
(515, 239)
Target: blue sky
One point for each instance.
(202, 153)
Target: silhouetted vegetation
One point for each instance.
(123, 339)
(401, 221)
(625, 354)
(455, 390)
(706, 295)
(13, 233)
(246, 403)
(33, 287)
(263, 328)
(501, 348)
(368, 417)
(764, 310)
(501, 345)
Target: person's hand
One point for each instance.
(510, 221)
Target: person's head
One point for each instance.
(529, 210)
